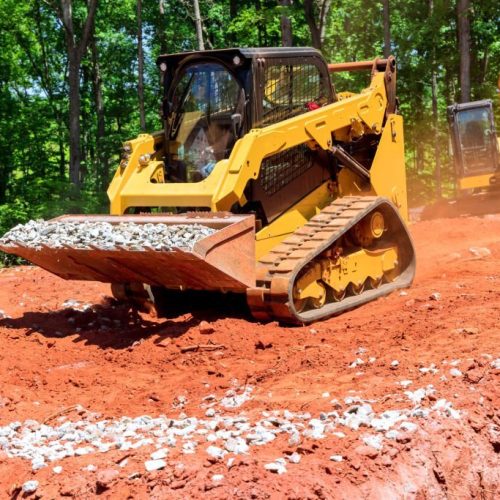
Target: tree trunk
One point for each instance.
(233, 8)
(317, 21)
(75, 50)
(286, 25)
(435, 117)
(464, 47)
(161, 28)
(437, 144)
(419, 126)
(62, 156)
(260, 31)
(311, 22)
(74, 117)
(103, 165)
(140, 57)
(3, 187)
(387, 29)
(197, 22)
(87, 150)
(484, 66)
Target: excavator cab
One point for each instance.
(474, 145)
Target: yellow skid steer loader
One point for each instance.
(304, 188)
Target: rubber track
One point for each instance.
(277, 270)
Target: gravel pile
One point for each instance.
(217, 436)
(105, 235)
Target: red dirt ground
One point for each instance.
(53, 358)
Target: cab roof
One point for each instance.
(245, 53)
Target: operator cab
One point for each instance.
(474, 140)
(212, 98)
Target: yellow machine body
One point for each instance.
(329, 237)
(139, 183)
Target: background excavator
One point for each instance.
(475, 146)
(475, 149)
(305, 187)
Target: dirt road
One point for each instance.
(397, 399)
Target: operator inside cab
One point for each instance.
(202, 130)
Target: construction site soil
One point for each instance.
(69, 353)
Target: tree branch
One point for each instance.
(88, 28)
(66, 16)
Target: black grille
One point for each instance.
(279, 170)
(291, 90)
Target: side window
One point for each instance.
(290, 90)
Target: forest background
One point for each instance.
(78, 77)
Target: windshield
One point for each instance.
(477, 140)
(474, 127)
(206, 115)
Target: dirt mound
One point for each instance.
(397, 399)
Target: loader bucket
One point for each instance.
(224, 260)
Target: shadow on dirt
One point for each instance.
(117, 325)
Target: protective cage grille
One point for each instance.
(290, 90)
(282, 168)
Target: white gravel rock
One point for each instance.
(496, 364)
(30, 486)
(375, 441)
(189, 447)
(3, 314)
(455, 372)
(336, 458)
(236, 445)
(480, 251)
(392, 434)
(357, 416)
(405, 383)
(316, 429)
(159, 454)
(38, 463)
(233, 400)
(216, 452)
(417, 396)
(446, 407)
(84, 451)
(428, 369)
(294, 458)
(387, 420)
(152, 465)
(408, 426)
(278, 466)
(260, 435)
(356, 362)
